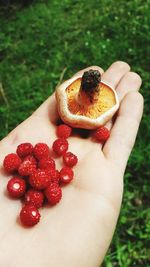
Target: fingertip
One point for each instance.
(115, 73)
(136, 77)
(141, 98)
(121, 64)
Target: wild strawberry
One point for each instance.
(27, 166)
(47, 163)
(39, 179)
(41, 150)
(60, 146)
(53, 193)
(24, 149)
(70, 159)
(29, 215)
(54, 175)
(102, 134)
(63, 131)
(11, 162)
(16, 187)
(34, 197)
(66, 175)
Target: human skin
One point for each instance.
(77, 231)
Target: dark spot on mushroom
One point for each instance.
(91, 80)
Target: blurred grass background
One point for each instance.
(47, 39)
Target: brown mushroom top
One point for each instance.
(105, 101)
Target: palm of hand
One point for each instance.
(83, 223)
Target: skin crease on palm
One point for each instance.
(77, 231)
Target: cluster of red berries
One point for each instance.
(36, 178)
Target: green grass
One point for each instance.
(38, 43)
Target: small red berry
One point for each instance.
(70, 159)
(60, 146)
(39, 179)
(11, 162)
(29, 215)
(28, 165)
(41, 150)
(34, 197)
(24, 149)
(102, 134)
(54, 175)
(53, 193)
(66, 175)
(63, 131)
(47, 163)
(16, 187)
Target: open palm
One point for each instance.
(77, 231)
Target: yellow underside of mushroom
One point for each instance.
(105, 101)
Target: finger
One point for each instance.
(123, 134)
(112, 76)
(115, 72)
(130, 82)
(49, 108)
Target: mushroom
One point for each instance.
(86, 102)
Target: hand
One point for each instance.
(77, 231)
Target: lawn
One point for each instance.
(48, 40)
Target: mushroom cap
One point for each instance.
(81, 119)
